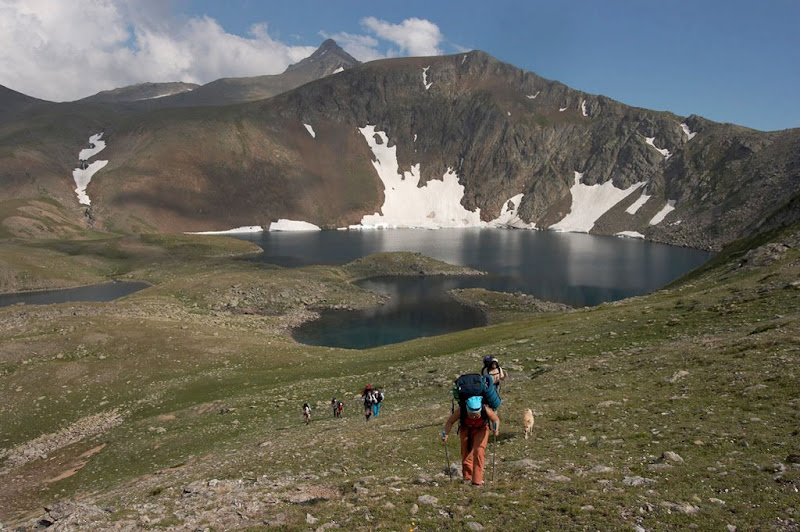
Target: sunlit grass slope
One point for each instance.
(179, 406)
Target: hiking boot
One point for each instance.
(474, 485)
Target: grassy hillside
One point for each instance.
(179, 406)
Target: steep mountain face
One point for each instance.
(504, 143)
(506, 132)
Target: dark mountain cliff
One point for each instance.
(480, 117)
(504, 131)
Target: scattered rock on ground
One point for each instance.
(637, 481)
(427, 499)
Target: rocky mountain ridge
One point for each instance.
(143, 91)
(503, 132)
(328, 59)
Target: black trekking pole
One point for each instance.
(447, 457)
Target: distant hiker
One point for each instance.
(376, 405)
(491, 367)
(368, 396)
(339, 408)
(334, 406)
(474, 419)
(307, 413)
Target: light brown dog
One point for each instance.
(527, 422)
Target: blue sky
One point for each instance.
(730, 61)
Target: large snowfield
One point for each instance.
(589, 203)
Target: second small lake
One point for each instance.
(92, 293)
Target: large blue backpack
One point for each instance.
(472, 384)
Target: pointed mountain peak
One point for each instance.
(329, 44)
(328, 59)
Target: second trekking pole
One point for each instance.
(447, 456)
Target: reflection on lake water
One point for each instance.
(418, 307)
(576, 269)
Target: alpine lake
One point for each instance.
(575, 269)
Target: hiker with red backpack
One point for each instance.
(474, 418)
(368, 396)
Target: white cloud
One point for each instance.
(68, 50)
(362, 47)
(414, 36)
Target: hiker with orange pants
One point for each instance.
(474, 432)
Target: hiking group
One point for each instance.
(372, 398)
(475, 403)
(475, 411)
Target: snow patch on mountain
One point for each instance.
(663, 151)
(584, 112)
(235, 230)
(668, 208)
(436, 204)
(689, 133)
(509, 215)
(589, 203)
(425, 78)
(562, 109)
(629, 234)
(636, 205)
(83, 175)
(292, 225)
(164, 95)
(310, 130)
(532, 96)
(96, 146)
